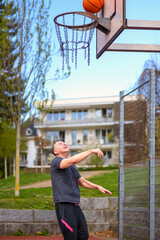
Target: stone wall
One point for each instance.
(101, 215)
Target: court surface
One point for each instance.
(45, 238)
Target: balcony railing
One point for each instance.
(75, 122)
(79, 145)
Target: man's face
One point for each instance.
(60, 148)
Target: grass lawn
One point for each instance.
(25, 179)
(41, 198)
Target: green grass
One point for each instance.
(29, 178)
(41, 198)
(136, 184)
(33, 198)
(107, 180)
(25, 179)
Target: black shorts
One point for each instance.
(71, 221)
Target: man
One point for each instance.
(66, 194)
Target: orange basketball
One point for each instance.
(92, 6)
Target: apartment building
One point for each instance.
(82, 123)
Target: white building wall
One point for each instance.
(92, 113)
(68, 137)
(68, 115)
(31, 154)
(91, 136)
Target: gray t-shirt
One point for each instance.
(64, 182)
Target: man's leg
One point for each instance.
(67, 220)
(82, 232)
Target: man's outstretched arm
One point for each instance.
(67, 162)
(89, 185)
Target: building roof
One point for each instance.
(84, 102)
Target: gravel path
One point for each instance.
(85, 174)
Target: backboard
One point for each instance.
(115, 10)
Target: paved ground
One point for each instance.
(45, 238)
(85, 174)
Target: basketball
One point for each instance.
(92, 6)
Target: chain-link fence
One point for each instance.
(139, 171)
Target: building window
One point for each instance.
(55, 135)
(109, 154)
(62, 115)
(85, 136)
(104, 136)
(49, 136)
(79, 114)
(85, 114)
(29, 132)
(74, 137)
(56, 116)
(101, 136)
(104, 112)
(62, 135)
(110, 136)
(49, 116)
(98, 113)
(74, 114)
(109, 112)
(98, 134)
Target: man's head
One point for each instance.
(59, 148)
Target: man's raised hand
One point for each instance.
(98, 152)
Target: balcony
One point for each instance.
(80, 145)
(75, 123)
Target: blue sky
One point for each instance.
(113, 71)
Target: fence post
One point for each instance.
(121, 168)
(152, 155)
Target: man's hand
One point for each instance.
(98, 152)
(103, 190)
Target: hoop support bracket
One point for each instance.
(104, 25)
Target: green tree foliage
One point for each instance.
(145, 76)
(96, 161)
(8, 57)
(145, 90)
(7, 145)
(33, 60)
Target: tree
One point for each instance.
(96, 161)
(7, 143)
(145, 90)
(42, 143)
(32, 63)
(8, 56)
(145, 76)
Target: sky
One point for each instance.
(113, 71)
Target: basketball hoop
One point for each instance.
(75, 32)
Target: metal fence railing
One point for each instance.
(139, 170)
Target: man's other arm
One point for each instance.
(67, 162)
